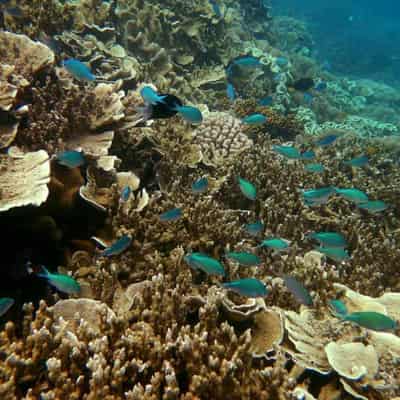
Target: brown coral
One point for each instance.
(285, 127)
(221, 138)
(16, 189)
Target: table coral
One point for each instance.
(53, 16)
(27, 57)
(58, 112)
(16, 190)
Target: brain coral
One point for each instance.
(221, 137)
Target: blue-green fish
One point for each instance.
(276, 243)
(373, 206)
(203, 262)
(357, 161)
(200, 185)
(254, 228)
(326, 140)
(244, 258)
(328, 239)
(118, 246)
(298, 290)
(317, 196)
(287, 151)
(63, 283)
(150, 96)
(126, 193)
(354, 195)
(371, 320)
(189, 113)
(266, 101)
(78, 70)
(70, 158)
(308, 155)
(247, 188)
(242, 61)
(281, 61)
(308, 97)
(338, 254)
(339, 308)
(255, 119)
(5, 304)
(230, 91)
(316, 168)
(191, 259)
(171, 215)
(248, 287)
(247, 61)
(320, 86)
(216, 8)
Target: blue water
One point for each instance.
(359, 38)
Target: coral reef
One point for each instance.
(146, 325)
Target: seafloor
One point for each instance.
(146, 325)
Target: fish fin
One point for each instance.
(145, 112)
(161, 98)
(44, 274)
(44, 269)
(176, 107)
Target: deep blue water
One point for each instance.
(357, 37)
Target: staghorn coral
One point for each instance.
(156, 360)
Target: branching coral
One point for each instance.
(286, 127)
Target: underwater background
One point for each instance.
(355, 38)
(199, 200)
